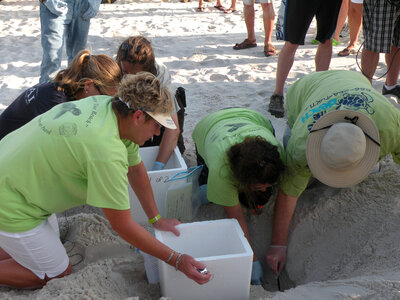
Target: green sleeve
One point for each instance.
(133, 153)
(107, 183)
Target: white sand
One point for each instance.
(344, 244)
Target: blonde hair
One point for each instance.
(102, 69)
(138, 50)
(142, 91)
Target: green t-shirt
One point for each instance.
(215, 134)
(69, 156)
(314, 95)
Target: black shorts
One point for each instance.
(300, 13)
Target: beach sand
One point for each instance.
(343, 243)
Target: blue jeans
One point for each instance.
(61, 20)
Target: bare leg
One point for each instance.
(200, 3)
(285, 63)
(249, 20)
(323, 56)
(233, 5)
(355, 21)
(369, 62)
(14, 275)
(268, 20)
(393, 73)
(4, 255)
(341, 19)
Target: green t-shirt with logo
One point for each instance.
(312, 96)
(215, 134)
(69, 156)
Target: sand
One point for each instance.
(343, 243)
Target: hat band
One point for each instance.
(353, 121)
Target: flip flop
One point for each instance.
(220, 7)
(269, 50)
(244, 45)
(200, 9)
(346, 52)
(230, 10)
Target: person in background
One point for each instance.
(136, 54)
(381, 27)
(339, 127)
(87, 75)
(241, 161)
(82, 152)
(63, 21)
(353, 8)
(219, 6)
(294, 19)
(268, 20)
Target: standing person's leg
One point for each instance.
(268, 21)
(201, 7)
(78, 30)
(355, 21)
(250, 42)
(369, 62)
(232, 8)
(341, 19)
(298, 16)
(392, 76)
(326, 15)
(52, 39)
(323, 56)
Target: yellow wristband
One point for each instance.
(155, 219)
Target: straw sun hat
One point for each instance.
(342, 148)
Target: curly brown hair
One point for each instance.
(255, 161)
(102, 69)
(138, 50)
(142, 91)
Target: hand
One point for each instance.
(158, 165)
(189, 266)
(167, 225)
(257, 275)
(276, 258)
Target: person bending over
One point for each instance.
(82, 152)
(241, 160)
(136, 54)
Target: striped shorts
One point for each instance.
(381, 25)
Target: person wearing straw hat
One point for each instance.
(339, 127)
(80, 152)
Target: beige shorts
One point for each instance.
(250, 2)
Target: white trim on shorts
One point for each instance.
(357, 1)
(39, 250)
(250, 2)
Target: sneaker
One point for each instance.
(276, 106)
(395, 91)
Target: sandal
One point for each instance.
(220, 7)
(230, 10)
(346, 52)
(269, 50)
(244, 45)
(200, 9)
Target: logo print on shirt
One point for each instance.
(68, 107)
(357, 102)
(30, 95)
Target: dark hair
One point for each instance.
(138, 50)
(102, 69)
(255, 161)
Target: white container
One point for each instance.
(158, 180)
(222, 247)
(151, 267)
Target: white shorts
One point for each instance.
(250, 2)
(39, 250)
(357, 1)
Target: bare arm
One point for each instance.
(284, 208)
(140, 183)
(122, 222)
(168, 142)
